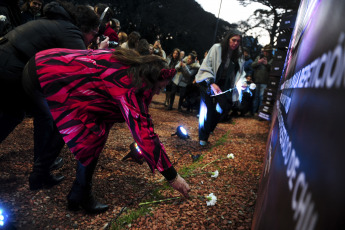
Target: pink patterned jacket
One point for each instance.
(87, 92)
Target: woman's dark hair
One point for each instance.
(82, 15)
(144, 70)
(193, 56)
(143, 47)
(100, 8)
(225, 46)
(173, 62)
(133, 39)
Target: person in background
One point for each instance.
(184, 76)
(173, 59)
(157, 49)
(248, 63)
(122, 38)
(110, 86)
(115, 25)
(151, 49)
(221, 70)
(143, 47)
(182, 54)
(132, 42)
(262, 68)
(32, 10)
(205, 54)
(105, 27)
(67, 26)
(9, 16)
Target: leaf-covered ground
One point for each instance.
(126, 185)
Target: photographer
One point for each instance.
(262, 67)
(106, 15)
(157, 49)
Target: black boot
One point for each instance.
(58, 163)
(47, 146)
(80, 195)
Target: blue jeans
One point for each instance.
(258, 96)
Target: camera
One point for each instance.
(112, 44)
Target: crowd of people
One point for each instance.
(67, 76)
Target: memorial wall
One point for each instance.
(302, 184)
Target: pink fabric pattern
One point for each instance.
(87, 92)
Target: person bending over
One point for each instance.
(86, 92)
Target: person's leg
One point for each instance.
(167, 94)
(80, 194)
(182, 97)
(261, 93)
(174, 88)
(47, 139)
(256, 99)
(206, 117)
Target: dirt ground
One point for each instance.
(125, 185)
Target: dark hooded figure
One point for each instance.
(65, 26)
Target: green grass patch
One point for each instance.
(132, 214)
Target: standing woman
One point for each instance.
(86, 92)
(184, 76)
(222, 69)
(173, 60)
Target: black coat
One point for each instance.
(22, 43)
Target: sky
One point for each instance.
(232, 12)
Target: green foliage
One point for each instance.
(268, 19)
(131, 215)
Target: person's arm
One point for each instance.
(255, 63)
(135, 111)
(206, 71)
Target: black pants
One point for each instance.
(174, 89)
(211, 111)
(47, 139)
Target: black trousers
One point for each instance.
(174, 89)
(211, 111)
(47, 140)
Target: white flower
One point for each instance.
(211, 200)
(3, 18)
(215, 174)
(202, 182)
(252, 86)
(230, 156)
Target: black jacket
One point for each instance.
(22, 43)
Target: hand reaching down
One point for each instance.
(180, 185)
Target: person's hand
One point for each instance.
(104, 44)
(244, 85)
(265, 61)
(180, 185)
(215, 88)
